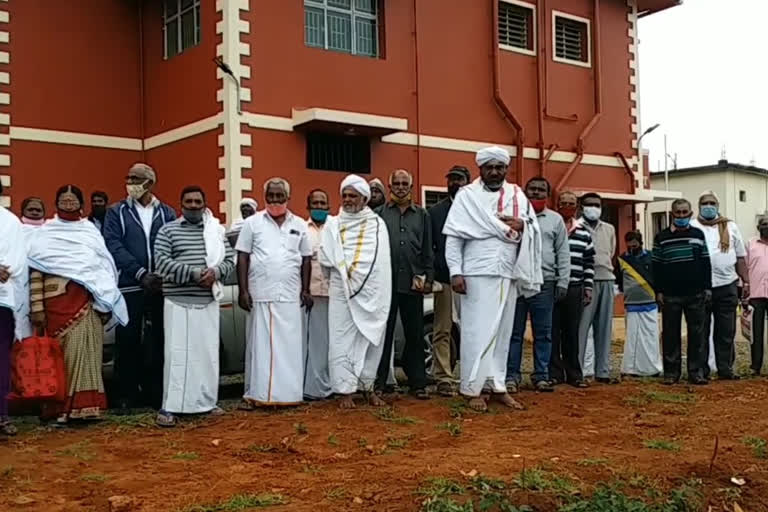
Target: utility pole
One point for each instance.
(666, 164)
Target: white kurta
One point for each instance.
(191, 366)
(14, 293)
(642, 356)
(274, 353)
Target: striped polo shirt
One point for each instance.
(681, 265)
(582, 256)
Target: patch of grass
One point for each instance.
(95, 478)
(7, 472)
(454, 429)
(730, 494)
(186, 456)
(141, 420)
(300, 428)
(262, 448)
(337, 493)
(240, 502)
(333, 440)
(592, 462)
(362, 442)
(533, 479)
(663, 397)
(440, 486)
(81, 450)
(611, 498)
(396, 443)
(759, 446)
(444, 504)
(662, 444)
(389, 414)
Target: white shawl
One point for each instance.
(213, 236)
(470, 219)
(75, 250)
(14, 293)
(357, 246)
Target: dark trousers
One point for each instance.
(139, 351)
(694, 308)
(722, 309)
(564, 364)
(411, 308)
(759, 311)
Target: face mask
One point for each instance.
(192, 216)
(318, 215)
(277, 209)
(763, 232)
(592, 213)
(681, 223)
(99, 211)
(567, 212)
(71, 216)
(538, 204)
(136, 191)
(708, 212)
(32, 222)
(636, 251)
(400, 201)
(453, 190)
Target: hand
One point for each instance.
(244, 300)
(307, 301)
(38, 321)
(660, 299)
(707, 296)
(207, 278)
(560, 293)
(745, 292)
(458, 285)
(427, 287)
(587, 296)
(514, 223)
(152, 282)
(5, 273)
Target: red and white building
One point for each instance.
(89, 87)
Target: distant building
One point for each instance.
(742, 190)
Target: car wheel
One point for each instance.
(429, 360)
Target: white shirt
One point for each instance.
(146, 213)
(723, 263)
(276, 253)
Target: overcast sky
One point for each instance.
(704, 77)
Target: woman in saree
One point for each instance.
(73, 294)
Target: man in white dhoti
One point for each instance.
(355, 252)
(317, 379)
(273, 273)
(193, 256)
(642, 356)
(493, 251)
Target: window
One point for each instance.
(572, 43)
(347, 153)
(432, 197)
(181, 25)
(349, 26)
(743, 196)
(517, 30)
(660, 222)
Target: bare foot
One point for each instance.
(346, 402)
(508, 401)
(376, 401)
(477, 404)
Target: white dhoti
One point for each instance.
(711, 360)
(588, 367)
(317, 380)
(191, 368)
(642, 356)
(274, 362)
(488, 314)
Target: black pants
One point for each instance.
(759, 311)
(722, 309)
(694, 308)
(139, 351)
(411, 308)
(564, 364)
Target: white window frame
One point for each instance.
(353, 13)
(177, 17)
(430, 188)
(588, 22)
(534, 24)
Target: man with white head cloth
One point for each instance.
(493, 251)
(248, 207)
(354, 251)
(273, 271)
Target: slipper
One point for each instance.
(8, 429)
(246, 405)
(165, 419)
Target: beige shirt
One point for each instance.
(604, 238)
(318, 285)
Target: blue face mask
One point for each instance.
(708, 212)
(318, 215)
(681, 222)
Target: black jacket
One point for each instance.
(437, 215)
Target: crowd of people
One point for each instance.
(492, 254)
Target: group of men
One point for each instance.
(491, 250)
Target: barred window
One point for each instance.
(181, 25)
(571, 40)
(349, 26)
(517, 26)
(331, 152)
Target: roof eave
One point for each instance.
(648, 7)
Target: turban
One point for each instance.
(145, 172)
(709, 193)
(485, 155)
(376, 183)
(357, 183)
(250, 202)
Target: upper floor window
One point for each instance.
(349, 26)
(517, 27)
(334, 152)
(572, 44)
(181, 25)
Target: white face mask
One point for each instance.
(592, 213)
(136, 191)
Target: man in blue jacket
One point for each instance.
(130, 228)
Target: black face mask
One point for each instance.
(99, 212)
(763, 232)
(636, 251)
(453, 189)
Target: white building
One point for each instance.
(742, 190)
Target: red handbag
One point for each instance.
(37, 370)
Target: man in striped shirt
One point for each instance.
(564, 366)
(193, 256)
(683, 279)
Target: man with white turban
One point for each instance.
(354, 251)
(493, 251)
(248, 207)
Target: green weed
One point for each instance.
(240, 502)
(186, 456)
(759, 446)
(333, 440)
(454, 429)
(362, 442)
(592, 462)
(389, 414)
(337, 493)
(662, 444)
(262, 448)
(7, 472)
(300, 428)
(79, 450)
(440, 486)
(95, 478)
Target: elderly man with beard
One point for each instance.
(493, 252)
(354, 251)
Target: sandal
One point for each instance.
(246, 405)
(8, 429)
(420, 394)
(165, 419)
(445, 389)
